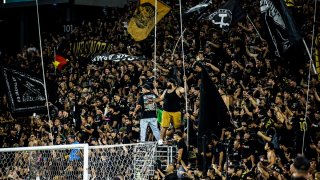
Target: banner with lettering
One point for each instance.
(25, 93)
(117, 57)
(88, 48)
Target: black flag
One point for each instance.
(282, 32)
(25, 92)
(213, 113)
(227, 15)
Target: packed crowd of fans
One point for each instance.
(95, 102)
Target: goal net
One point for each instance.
(45, 162)
(78, 161)
(130, 161)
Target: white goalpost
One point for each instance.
(78, 161)
(45, 162)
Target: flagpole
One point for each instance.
(42, 64)
(184, 71)
(54, 58)
(155, 38)
(313, 31)
(305, 116)
(254, 26)
(175, 46)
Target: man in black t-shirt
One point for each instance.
(217, 152)
(170, 175)
(147, 106)
(182, 152)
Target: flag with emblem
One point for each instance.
(281, 29)
(59, 61)
(227, 15)
(142, 21)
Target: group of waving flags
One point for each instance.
(280, 26)
(281, 31)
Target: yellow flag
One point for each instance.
(142, 22)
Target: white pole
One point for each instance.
(313, 31)
(184, 70)
(305, 116)
(42, 64)
(254, 26)
(86, 161)
(155, 38)
(175, 46)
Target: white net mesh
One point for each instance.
(131, 161)
(68, 162)
(36, 164)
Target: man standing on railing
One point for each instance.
(171, 107)
(148, 107)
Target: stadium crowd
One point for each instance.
(95, 103)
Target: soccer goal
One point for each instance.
(45, 162)
(78, 161)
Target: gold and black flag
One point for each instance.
(142, 22)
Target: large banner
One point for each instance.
(25, 93)
(88, 48)
(117, 57)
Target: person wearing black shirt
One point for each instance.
(299, 125)
(182, 152)
(249, 149)
(147, 106)
(86, 130)
(217, 152)
(113, 118)
(171, 107)
(236, 152)
(170, 175)
(228, 140)
(301, 166)
(120, 105)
